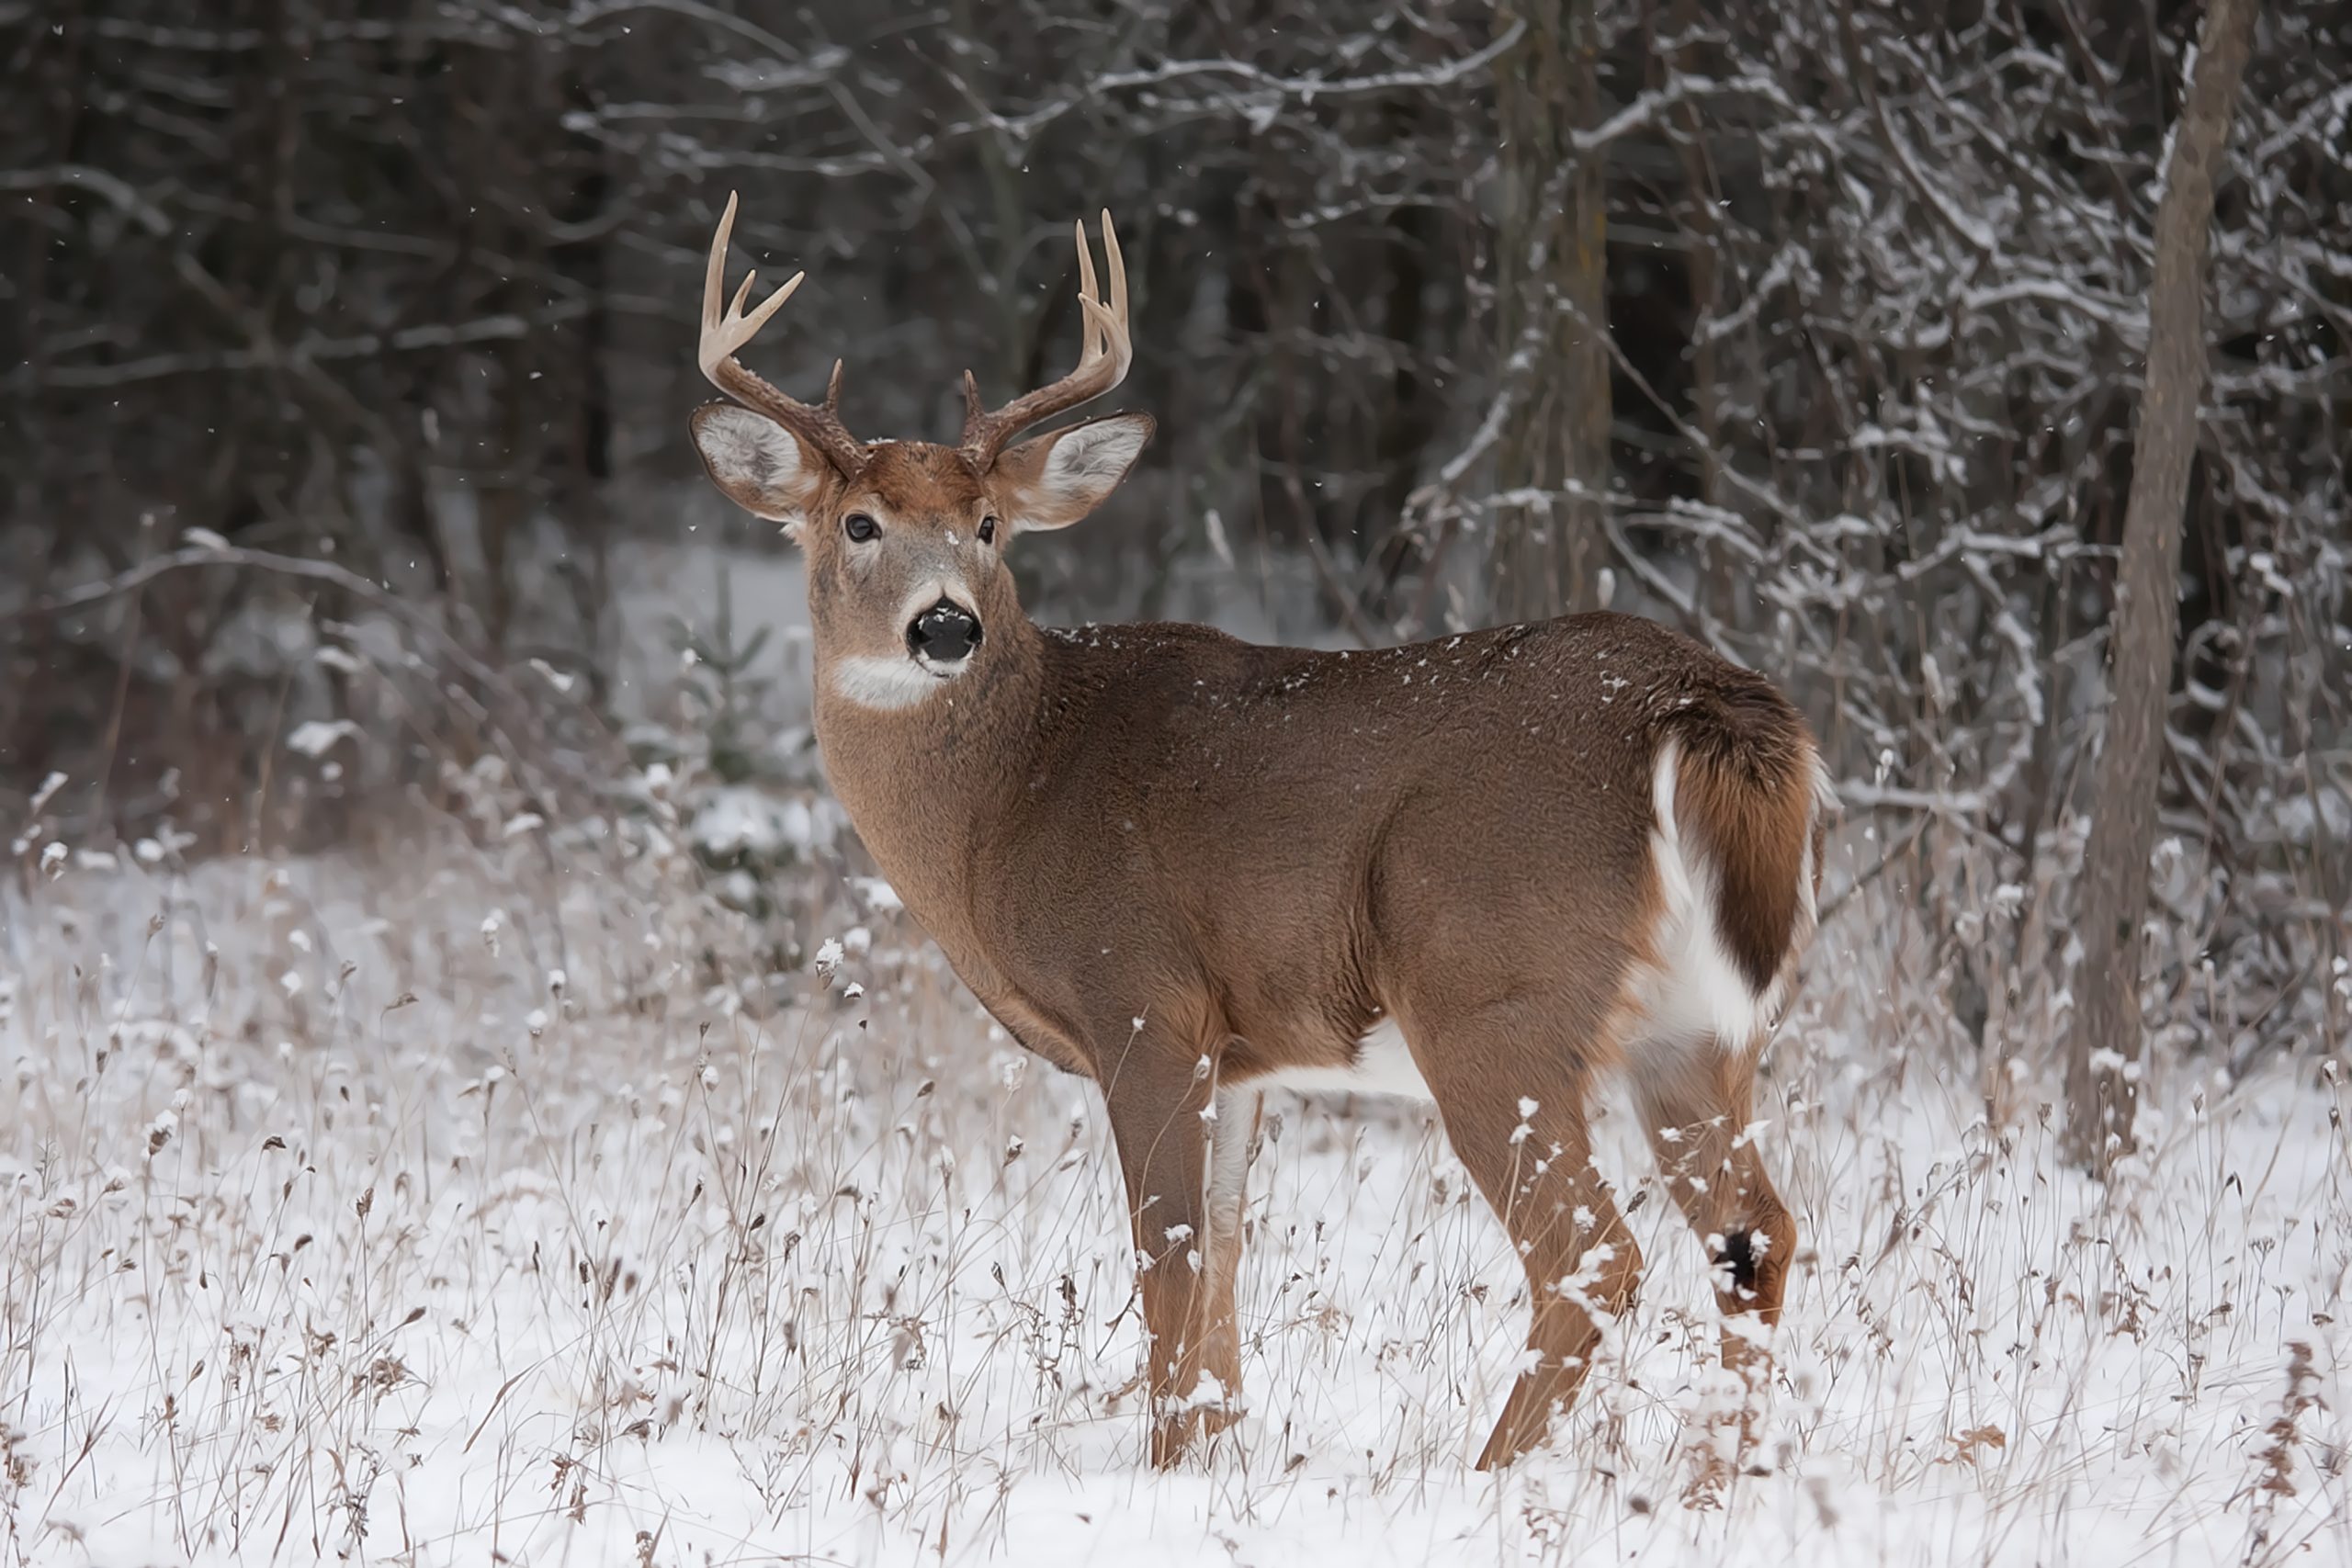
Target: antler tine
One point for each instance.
(1105, 351)
(1090, 345)
(727, 329)
(1118, 271)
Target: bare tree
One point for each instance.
(2106, 1041)
(1553, 254)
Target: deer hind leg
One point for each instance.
(1523, 1134)
(1696, 1105)
(1184, 1176)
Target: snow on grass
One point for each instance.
(330, 1227)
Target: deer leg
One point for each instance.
(1523, 1135)
(1184, 1182)
(1696, 1106)
(1231, 1135)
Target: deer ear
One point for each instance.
(763, 468)
(1056, 480)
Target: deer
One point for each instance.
(1489, 871)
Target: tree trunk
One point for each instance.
(1554, 273)
(2105, 1050)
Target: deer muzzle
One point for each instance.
(944, 634)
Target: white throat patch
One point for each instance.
(886, 684)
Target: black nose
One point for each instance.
(946, 632)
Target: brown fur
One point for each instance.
(1149, 847)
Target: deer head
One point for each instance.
(905, 540)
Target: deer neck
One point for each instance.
(924, 785)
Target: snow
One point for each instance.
(316, 737)
(410, 1262)
(742, 820)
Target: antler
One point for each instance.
(725, 332)
(1102, 364)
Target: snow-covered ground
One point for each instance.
(489, 1206)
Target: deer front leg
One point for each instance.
(1233, 1136)
(1184, 1175)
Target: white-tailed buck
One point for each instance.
(1487, 869)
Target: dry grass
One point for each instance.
(495, 1204)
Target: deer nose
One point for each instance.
(946, 633)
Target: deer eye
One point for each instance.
(860, 527)
(987, 530)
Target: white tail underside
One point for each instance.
(1695, 990)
